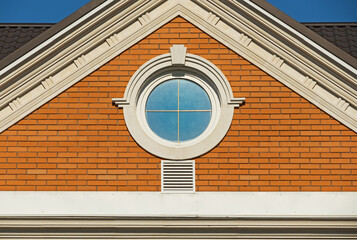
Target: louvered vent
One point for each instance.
(177, 176)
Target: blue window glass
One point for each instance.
(192, 124)
(193, 97)
(164, 124)
(164, 97)
(178, 110)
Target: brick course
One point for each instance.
(278, 141)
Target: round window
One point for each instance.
(178, 105)
(178, 110)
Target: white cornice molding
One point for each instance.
(175, 228)
(275, 49)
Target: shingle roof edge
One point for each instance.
(50, 32)
(306, 31)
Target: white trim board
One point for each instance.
(199, 204)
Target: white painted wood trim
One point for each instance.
(199, 204)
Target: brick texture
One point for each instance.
(278, 141)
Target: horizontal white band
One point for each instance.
(199, 204)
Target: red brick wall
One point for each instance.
(278, 140)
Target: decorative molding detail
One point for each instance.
(124, 19)
(342, 104)
(276, 61)
(113, 40)
(15, 104)
(81, 61)
(309, 83)
(178, 54)
(84, 227)
(277, 38)
(48, 83)
(212, 18)
(120, 102)
(144, 19)
(236, 102)
(196, 69)
(244, 40)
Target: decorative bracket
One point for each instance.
(113, 40)
(276, 61)
(342, 104)
(213, 19)
(15, 104)
(309, 83)
(244, 40)
(48, 83)
(144, 19)
(120, 102)
(236, 102)
(81, 61)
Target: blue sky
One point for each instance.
(51, 11)
(319, 10)
(37, 11)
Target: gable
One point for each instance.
(278, 141)
(72, 139)
(322, 78)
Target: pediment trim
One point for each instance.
(314, 73)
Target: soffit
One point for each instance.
(90, 40)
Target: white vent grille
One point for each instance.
(177, 176)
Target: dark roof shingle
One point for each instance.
(343, 35)
(13, 36)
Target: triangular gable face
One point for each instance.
(80, 141)
(112, 27)
(244, 27)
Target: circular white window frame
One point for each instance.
(178, 64)
(141, 107)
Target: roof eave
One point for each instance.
(306, 32)
(49, 33)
